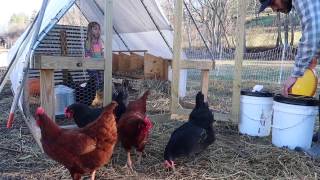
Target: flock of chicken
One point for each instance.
(85, 149)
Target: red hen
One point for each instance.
(82, 150)
(134, 127)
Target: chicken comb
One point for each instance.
(40, 111)
(65, 110)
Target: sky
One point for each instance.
(10, 7)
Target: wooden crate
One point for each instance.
(123, 62)
(115, 62)
(136, 62)
(155, 67)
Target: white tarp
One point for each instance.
(130, 19)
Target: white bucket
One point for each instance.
(64, 97)
(255, 115)
(293, 125)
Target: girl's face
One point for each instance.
(96, 31)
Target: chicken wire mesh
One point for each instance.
(271, 41)
(82, 86)
(270, 46)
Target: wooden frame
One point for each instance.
(204, 65)
(47, 65)
(108, 25)
(238, 62)
(63, 62)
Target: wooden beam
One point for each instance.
(178, 14)
(205, 83)
(64, 52)
(242, 9)
(71, 63)
(108, 28)
(47, 92)
(155, 67)
(197, 64)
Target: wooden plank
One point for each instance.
(107, 89)
(205, 83)
(115, 62)
(47, 92)
(238, 61)
(71, 63)
(136, 62)
(123, 62)
(197, 64)
(152, 66)
(64, 52)
(178, 14)
(165, 69)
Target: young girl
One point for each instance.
(94, 49)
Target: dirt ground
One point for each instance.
(232, 156)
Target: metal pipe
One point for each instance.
(154, 22)
(27, 63)
(115, 30)
(14, 60)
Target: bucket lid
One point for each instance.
(296, 100)
(305, 85)
(256, 94)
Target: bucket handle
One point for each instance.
(284, 128)
(261, 120)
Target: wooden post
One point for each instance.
(64, 52)
(178, 14)
(238, 61)
(205, 83)
(107, 89)
(47, 92)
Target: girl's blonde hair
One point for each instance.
(89, 32)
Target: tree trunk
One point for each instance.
(292, 28)
(279, 40)
(286, 30)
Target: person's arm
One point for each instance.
(309, 45)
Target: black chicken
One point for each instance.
(83, 114)
(193, 136)
(84, 92)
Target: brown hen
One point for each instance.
(82, 150)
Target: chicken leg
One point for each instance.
(93, 175)
(129, 162)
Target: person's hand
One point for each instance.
(313, 63)
(287, 85)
